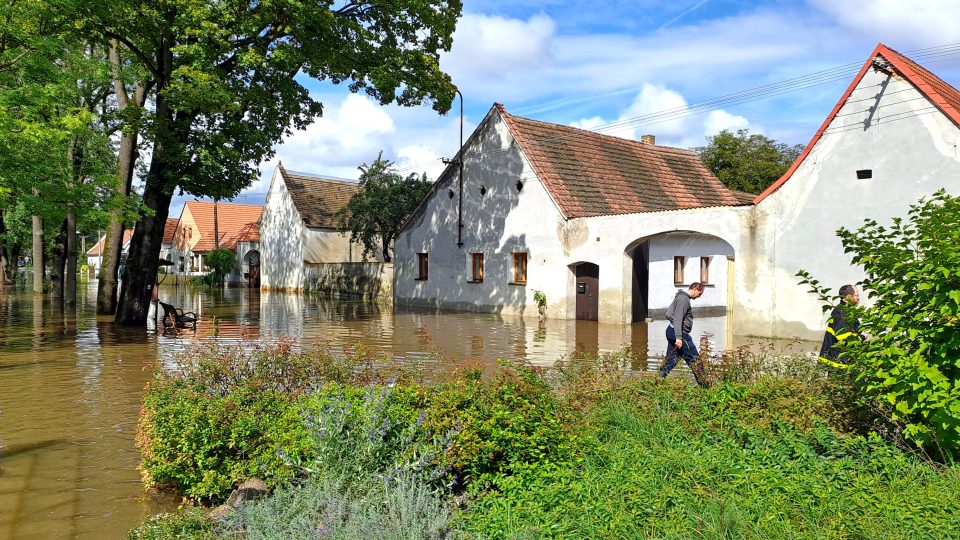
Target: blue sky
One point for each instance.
(592, 63)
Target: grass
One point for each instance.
(665, 462)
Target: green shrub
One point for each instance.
(224, 414)
(221, 261)
(331, 507)
(911, 360)
(499, 426)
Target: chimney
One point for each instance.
(648, 139)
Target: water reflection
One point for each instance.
(73, 382)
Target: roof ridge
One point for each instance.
(594, 133)
(591, 174)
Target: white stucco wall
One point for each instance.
(498, 223)
(281, 239)
(886, 126)
(504, 220)
(329, 246)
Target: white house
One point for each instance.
(298, 229)
(892, 138)
(607, 228)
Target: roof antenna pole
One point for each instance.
(460, 162)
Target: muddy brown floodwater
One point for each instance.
(71, 384)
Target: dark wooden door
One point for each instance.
(587, 290)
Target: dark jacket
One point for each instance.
(841, 322)
(679, 313)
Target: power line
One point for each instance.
(937, 54)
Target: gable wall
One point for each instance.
(281, 240)
(912, 150)
(497, 224)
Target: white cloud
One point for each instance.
(591, 123)
(493, 46)
(917, 23)
(719, 120)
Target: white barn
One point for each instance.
(892, 138)
(297, 228)
(607, 228)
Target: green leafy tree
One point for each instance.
(221, 261)
(53, 88)
(225, 79)
(745, 162)
(911, 359)
(373, 216)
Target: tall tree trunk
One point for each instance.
(6, 277)
(126, 159)
(39, 265)
(70, 262)
(11, 270)
(59, 263)
(144, 257)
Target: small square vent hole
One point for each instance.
(864, 174)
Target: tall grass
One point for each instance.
(668, 461)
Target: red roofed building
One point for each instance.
(607, 228)
(892, 138)
(95, 253)
(237, 226)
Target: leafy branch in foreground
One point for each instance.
(911, 360)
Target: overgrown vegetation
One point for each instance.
(357, 447)
(910, 363)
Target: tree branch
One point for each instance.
(135, 50)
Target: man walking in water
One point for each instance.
(679, 341)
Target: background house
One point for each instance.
(607, 228)
(299, 236)
(194, 236)
(95, 253)
(892, 138)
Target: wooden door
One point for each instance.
(587, 291)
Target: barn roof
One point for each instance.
(318, 198)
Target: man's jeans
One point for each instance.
(688, 351)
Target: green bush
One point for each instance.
(911, 360)
(224, 414)
(499, 426)
(221, 261)
(331, 507)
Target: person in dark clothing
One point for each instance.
(679, 341)
(841, 324)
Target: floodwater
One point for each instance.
(71, 384)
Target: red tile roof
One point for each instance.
(231, 220)
(942, 95)
(318, 198)
(589, 174)
(97, 248)
(249, 233)
(170, 230)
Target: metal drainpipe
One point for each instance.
(460, 161)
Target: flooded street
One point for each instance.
(72, 384)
